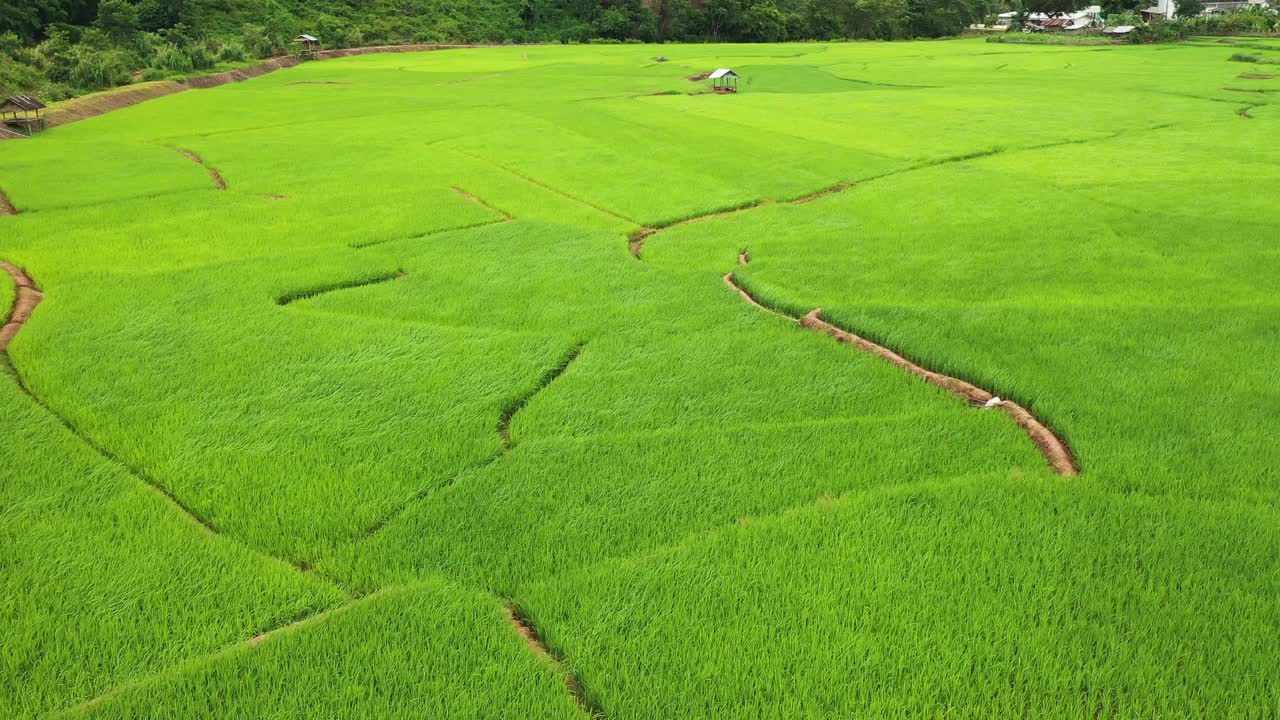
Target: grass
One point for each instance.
(408, 372)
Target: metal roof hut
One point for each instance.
(22, 112)
(724, 80)
(310, 46)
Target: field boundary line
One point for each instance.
(285, 628)
(637, 239)
(295, 295)
(218, 182)
(515, 406)
(544, 186)
(6, 207)
(27, 297)
(1056, 452)
(524, 626)
(505, 215)
(429, 233)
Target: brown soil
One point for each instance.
(841, 187)
(26, 297)
(637, 238)
(539, 648)
(744, 258)
(731, 282)
(1255, 76)
(1244, 113)
(274, 196)
(89, 106)
(204, 82)
(6, 207)
(1056, 452)
(318, 82)
(699, 77)
(218, 182)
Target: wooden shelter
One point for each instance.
(310, 46)
(22, 112)
(724, 80)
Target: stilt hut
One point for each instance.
(309, 46)
(22, 112)
(724, 80)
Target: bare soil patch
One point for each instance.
(26, 297)
(6, 207)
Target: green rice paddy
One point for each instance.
(298, 447)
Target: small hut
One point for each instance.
(22, 112)
(724, 80)
(310, 46)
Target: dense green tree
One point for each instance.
(1189, 8)
(118, 19)
(1055, 7)
(764, 22)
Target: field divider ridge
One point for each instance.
(538, 183)
(27, 297)
(295, 295)
(218, 182)
(6, 207)
(524, 626)
(289, 626)
(1056, 452)
(515, 406)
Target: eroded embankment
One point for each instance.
(1055, 451)
(6, 207)
(527, 631)
(218, 182)
(26, 297)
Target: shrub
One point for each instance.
(172, 59)
(232, 52)
(201, 57)
(98, 70)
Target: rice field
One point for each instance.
(412, 385)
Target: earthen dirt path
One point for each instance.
(218, 182)
(1055, 451)
(26, 297)
(539, 648)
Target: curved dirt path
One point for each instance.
(1056, 452)
(523, 626)
(26, 297)
(218, 182)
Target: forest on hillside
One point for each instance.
(61, 48)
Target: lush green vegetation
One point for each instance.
(60, 48)
(404, 371)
